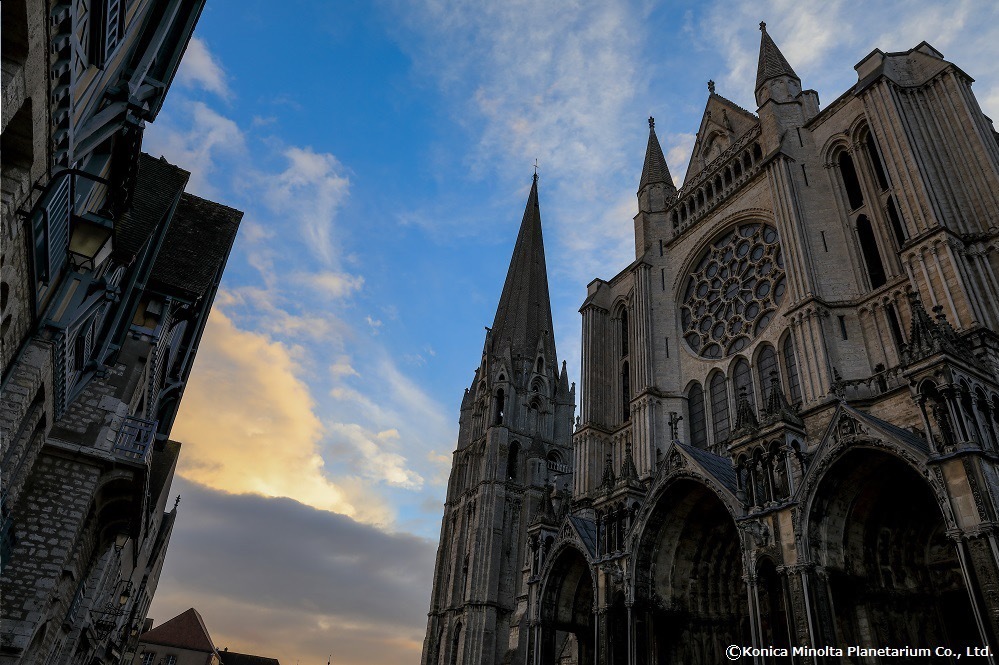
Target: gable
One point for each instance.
(722, 123)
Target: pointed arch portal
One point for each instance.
(892, 576)
(567, 611)
(690, 571)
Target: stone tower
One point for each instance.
(514, 442)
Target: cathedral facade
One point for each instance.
(789, 413)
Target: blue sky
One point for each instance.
(382, 152)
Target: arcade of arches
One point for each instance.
(869, 560)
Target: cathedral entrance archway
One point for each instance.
(892, 576)
(689, 565)
(567, 611)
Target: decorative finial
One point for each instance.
(176, 502)
(763, 26)
(652, 122)
(711, 87)
(535, 170)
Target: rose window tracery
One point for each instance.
(733, 291)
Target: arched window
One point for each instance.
(869, 248)
(896, 223)
(875, 157)
(512, 461)
(742, 377)
(455, 644)
(500, 407)
(695, 409)
(766, 365)
(540, 366)
(791, 365)
(850, 181)
(719, 407)
(624, 333)
(625, 392)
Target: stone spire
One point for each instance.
(524, 315)
(772, 63)
(655, 170)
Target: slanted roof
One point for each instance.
(903, 435)
(717, 466)
(185, 631)
(772, 62)
(524, 314)
(158, 183)
(655, 170)
(587, 531)
(196, 247)
(233, 658)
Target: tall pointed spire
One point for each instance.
(524, 314)
(772, 63)
(655, 169)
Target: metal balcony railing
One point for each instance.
(135, 440)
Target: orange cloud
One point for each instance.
(248, 426)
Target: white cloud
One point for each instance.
(198, 146)
(200, 69)
(678, 149)
(310, 189)
(334, 285)
(545, 81)
(380, 462)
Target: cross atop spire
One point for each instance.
(655, 169)
(524, 314)
(772, 62)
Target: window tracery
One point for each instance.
(734, 291)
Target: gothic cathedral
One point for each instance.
(789, 412)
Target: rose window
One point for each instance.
(733, 291)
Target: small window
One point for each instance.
(500, 407)
(791, 365)
(842, 327)
(625, 392)
(171, 660)
(695, 407)
(512, 461)
(869, 248)
(106, 29)
(742, 377)
(766, 365)
(624, 333)
(896, 223)
(850, 181)
(147, 657)
(875, 156)
(540, 366)
(894, 327)
(719, 408)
